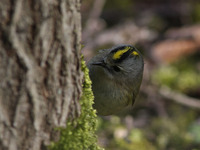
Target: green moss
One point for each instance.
(166, 75)
(136, 141)
(173, 132)
(196, 13)
(116, 136)
(123, 5)
(179, 77)
(80, 133)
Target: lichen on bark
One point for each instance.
(80, 133)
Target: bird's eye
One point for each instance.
(117, 69)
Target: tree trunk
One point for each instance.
(40, 72)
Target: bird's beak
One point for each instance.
(100, 63)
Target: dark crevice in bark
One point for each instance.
(11, 11)
(21, 64)
(30, 111)
(5, 40)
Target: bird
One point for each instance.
(116, 76)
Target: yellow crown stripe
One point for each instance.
(135, 53)
(119, 53)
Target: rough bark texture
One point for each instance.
(40, 74)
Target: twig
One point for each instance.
(93, 18)
(93, 25)
(179, 98)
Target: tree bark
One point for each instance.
(40, 72)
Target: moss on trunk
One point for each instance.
(80, 133)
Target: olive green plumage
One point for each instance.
(116, 76)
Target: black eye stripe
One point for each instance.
(117, 69)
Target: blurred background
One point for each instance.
(166, 115)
